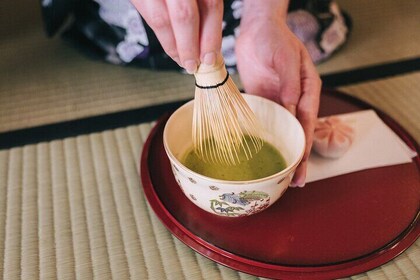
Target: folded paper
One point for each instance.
(374, 145)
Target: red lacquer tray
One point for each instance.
(331, 228)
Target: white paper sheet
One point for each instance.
(375, 145)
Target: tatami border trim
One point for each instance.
(72, 128)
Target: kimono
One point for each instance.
(114, 31)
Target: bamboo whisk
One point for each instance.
(222, 118)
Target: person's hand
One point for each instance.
(274, 64)
(190, 31)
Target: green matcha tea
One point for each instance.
(266, 162)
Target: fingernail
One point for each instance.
(190, 66)
(209, 58)
(176, 59)
(294, 185)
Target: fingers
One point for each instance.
(190, 31)
(211, 18)
(290, 84)
(155, 13)
(307, 111)
(184, 16)
(299, 173)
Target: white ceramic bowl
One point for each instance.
(236, 198)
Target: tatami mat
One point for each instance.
(399, 97)
(383, 31)
(87, 217)
(74, 209)
(44, 81)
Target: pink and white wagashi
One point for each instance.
(332, 137)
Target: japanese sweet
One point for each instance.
(333, 137)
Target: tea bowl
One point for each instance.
(236, 198)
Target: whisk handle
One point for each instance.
(210, 76)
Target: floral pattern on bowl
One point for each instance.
(241, 204)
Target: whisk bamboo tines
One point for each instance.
(222, 118)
